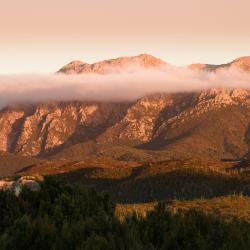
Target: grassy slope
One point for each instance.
(171, 180)
(134, 182)
(235, 206)
(10, 163)
(209, 185)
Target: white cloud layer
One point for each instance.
(122, 86)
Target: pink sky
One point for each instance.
(43, 35)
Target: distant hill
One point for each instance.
(241, 63)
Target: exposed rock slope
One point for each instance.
(51, 126)
(214, 122)
(210, 123)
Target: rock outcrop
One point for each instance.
(16, 186)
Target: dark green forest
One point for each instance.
(63, 216)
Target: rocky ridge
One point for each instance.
(241, 63)
(159, 120)
(48, 128)
(112, 65)
(16, 186)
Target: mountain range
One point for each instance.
(143, 60)
(146, 61)
(212, 123)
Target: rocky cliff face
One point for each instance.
(17, 185)
(144, 117)
(48, 127)
(157, 121)
(214, 121)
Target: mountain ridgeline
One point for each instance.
(159, 125)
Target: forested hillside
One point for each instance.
(61, 216)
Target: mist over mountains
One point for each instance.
(133, 109)
(121, 79)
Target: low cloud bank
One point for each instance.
(122, 86)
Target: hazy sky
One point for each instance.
(43, 35)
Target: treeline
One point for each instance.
(61, 216)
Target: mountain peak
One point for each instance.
(102, 67)
(241, 63)
(150, 60)
(72, 67)
(145, 56)
(245, 59)
(76, 62)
